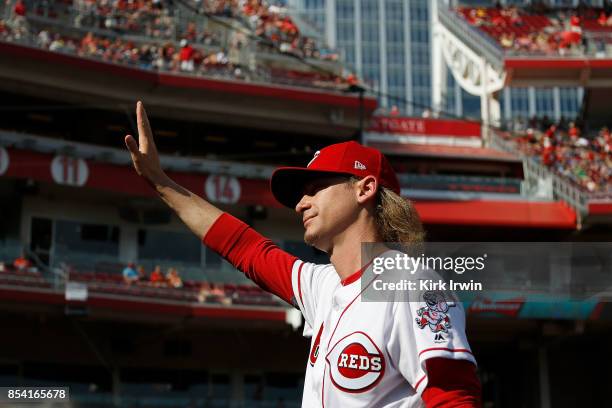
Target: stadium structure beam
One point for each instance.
(471, 68)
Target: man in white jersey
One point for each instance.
(363, 354)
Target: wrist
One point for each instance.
(159, 181)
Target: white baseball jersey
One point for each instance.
(370, 354)
(362, 353)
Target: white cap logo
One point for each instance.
(359, 165)
(317, 153)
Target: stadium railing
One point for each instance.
(219, 35)
(242, 60)
(104, 277)
(470, 35)
(561, 187)
(596, 44)
(460, 183)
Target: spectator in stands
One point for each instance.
(142, 274)
(212, 293)
(573, 132)
(186, 55)
(548, 152)
(22, 263)
(157, 277)
(507, 40)
(550, 132)
(173, 278)
(204, 293)
(44, 39)
(130, 275)
(218, 295)
(19, 22)
(575, 23)
(19, 10)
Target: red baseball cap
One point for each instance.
(348, 158)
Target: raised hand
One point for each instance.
(144, 154)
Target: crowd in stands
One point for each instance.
(563, 147)
(542, 30)
(203, 291)
(22, 264)
(148, 17)
(268, 22)
(197, 51)
(137, 275)
(133, 280)
(22, 270)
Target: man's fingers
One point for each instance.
(131, 145)
(145, 136)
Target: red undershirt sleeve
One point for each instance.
(257, 257)
(451, 384)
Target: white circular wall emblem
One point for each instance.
(222, 189)
(356, 363)
(69, 171)
(4, 160)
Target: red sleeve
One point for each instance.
(258, 258)
(451, 384)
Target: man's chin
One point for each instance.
(310, 239)
(314, 240)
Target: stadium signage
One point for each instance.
(425, 127)
(222, 189)
(509, 307)
(69, 171)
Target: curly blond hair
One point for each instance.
(397, 219)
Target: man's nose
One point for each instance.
(302, 205)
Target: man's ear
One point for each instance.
(366, 189)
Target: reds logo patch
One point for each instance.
(356, 363)
(435, 314)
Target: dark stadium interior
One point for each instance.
(149, 359)
(108, 126)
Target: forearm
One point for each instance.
(259, 258)
(452, 384)
(197, 214)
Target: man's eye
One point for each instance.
(309, 190)
(312, 189)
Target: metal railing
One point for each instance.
(437, 180)
(562, 188)
(242, 57)
(471, 36)
(598, 44)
